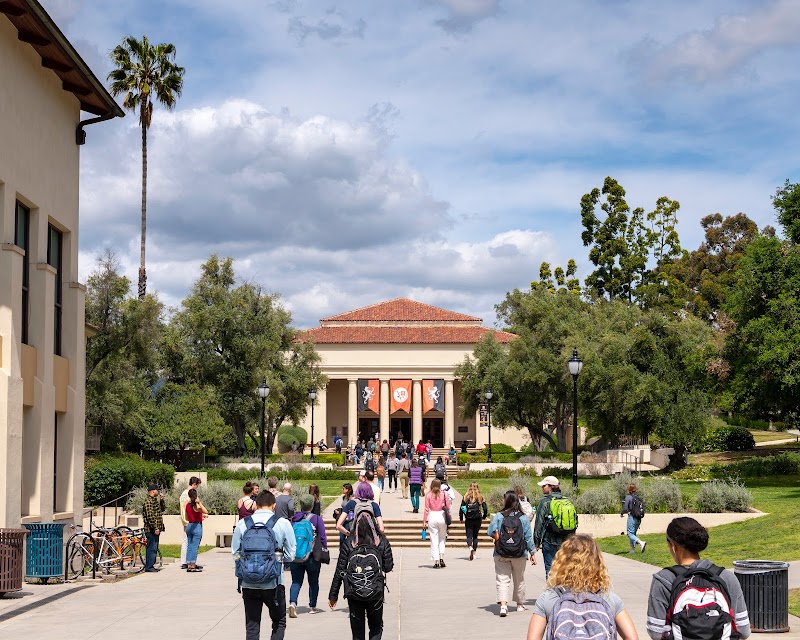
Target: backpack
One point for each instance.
(361, 507)
(369, 464)
(510, 539)
(305, 535)
(474, 511)
(637, 507)
(563, 519)
(700, 606)
(363, 576)
(439, 470)
(257, 563)
(581, 616)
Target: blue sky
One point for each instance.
(437, 149)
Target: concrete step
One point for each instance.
(408, 533)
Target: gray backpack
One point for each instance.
(581, 616)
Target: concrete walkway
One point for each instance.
(795, 435)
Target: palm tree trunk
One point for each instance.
(142, 271)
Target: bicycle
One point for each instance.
(133, 546)
(99, 550)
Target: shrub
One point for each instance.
(661, 495)
(501, 472)
(729, 438)
(602, 499)
(498, 447)
(108, 477)
(559, 472)
(495, 498)
(288, 434)
(463, 459)
(693, 472)
(520, 481)
(622, 481)
(783, 464)
(723, 495)
(243, 474)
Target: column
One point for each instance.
(352, 411)
(321, 417)
(449, 415)
(416, 412)
(384, 414)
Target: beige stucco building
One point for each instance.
(390, 369)
(44, 87)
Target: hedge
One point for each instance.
(221, 473)
(108, 477)
(288, 434)
(729, 438)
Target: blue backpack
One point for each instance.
(257, 563)
(304, 535)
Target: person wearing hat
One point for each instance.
(310, 566)
(545, 539)
(153, 516)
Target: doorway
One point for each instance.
(401, 425)
(367, 428)
(433, 430)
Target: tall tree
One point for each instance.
(787, 204)
(145, 74)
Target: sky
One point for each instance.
(345, 154)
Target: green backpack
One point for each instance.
(563, 518)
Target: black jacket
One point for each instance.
(384, 551)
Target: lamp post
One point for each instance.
(575, 365)
(312, 395)
(488, 395)
(263, 392)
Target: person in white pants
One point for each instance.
(194, 482)
(436, 503)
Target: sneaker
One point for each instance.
(292, 610)
(503, 611)
(184, 566)
(314, 610)
(631, 552)
(521, 607)
(442, 564)
(644, 544)
(471, 554)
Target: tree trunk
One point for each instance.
(238, 430)
(537, 432)
(142, 271)
(561, 427)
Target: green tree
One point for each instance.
(121, 354)
(183, 417)
(558, 280)
(145, 74)
(787, 204)
(229, 337)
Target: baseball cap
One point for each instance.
(551, 480)
(153, 487)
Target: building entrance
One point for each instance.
(367, 428)
(433, 430)
(400, 425)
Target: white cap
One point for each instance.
(551, 480)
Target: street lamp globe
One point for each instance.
(312, 394)
(488, 393)
(575, 364)
(263, 389)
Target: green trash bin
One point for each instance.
(11, 544)
(45, 550)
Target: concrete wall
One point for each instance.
(39, 392)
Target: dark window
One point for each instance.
(22, 234)
(55, 464)
(54, 245)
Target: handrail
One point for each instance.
(625, 458)
(103, 506)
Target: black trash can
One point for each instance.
(765, 584)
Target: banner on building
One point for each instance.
(369, 395)
(401, 396)
(432, 395)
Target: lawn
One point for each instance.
(772, 537)
(794, 602)
(174, 550)
(769, 436)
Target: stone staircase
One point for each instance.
(408, 533)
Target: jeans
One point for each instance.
(393, 479)
(548, 553)
(633, 527)
(298, 571)
(361, 613)
(380, 483)
(150, 553)
(194, 533)
(415, 489)
(428, 456)
(472, 528)
(254, 601)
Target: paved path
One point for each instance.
(793, 432)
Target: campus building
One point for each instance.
(390, 369)
(44, 87)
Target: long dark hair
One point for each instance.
(510, 502)
(193, 497)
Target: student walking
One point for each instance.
(403, 467)
(472, 513)
(415, 480)
(436, 519)
(391, 470)
(634, 507)
(304, 562)
(363, 500)
(380, 474)
(347, 496)
(194, 514)
(708, 592)
(579, 596)
(247, 503)
(513, 545)
(364, 560)
(547, 534)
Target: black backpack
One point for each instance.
(439, 470)
(510, 539)
(637, 507)
(364, 578)
(700, 605)
(474, 511)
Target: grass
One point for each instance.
(772, 537)
(794, 602)
(769, 436)
(174, 550)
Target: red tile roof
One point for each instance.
(445, 334)
(401, 310)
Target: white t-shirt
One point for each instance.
(184, 500)
(376, 490)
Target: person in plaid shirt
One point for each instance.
(153, 516)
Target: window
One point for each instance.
(22, 234)
(55, 463)
(54, 245)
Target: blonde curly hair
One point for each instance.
(579, 567)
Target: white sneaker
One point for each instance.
(503, 611)
(292, 610)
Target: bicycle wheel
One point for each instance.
(122, 540)
(80, 548)
(143, 554)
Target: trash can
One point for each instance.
(11, 543)
(45, 550)
(765, 584)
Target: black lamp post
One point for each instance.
(488, 395)
(575, 365)
(312, 395)
(263, 392)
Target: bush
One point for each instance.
(501, 472)
(244, 474)
(602, 499)
(497, 447)
(783, 464)
(721, 495)
(108, 477)
(693, 472)
(622, 481)
(661, 495)
(289, 434)
(496, 498)
(729, 438)
(463, 459)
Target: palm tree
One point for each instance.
(145, 73)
